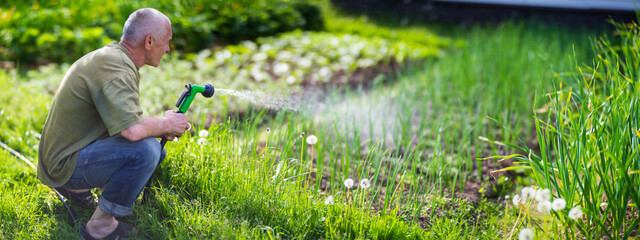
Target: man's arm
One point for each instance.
(171, 125)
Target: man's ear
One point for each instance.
(148, 42)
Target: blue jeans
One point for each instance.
(120, 166)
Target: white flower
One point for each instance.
(284, 56)
(365, 183)
(526, 234)
(527, 193)
(265, 47)
(224, 54)
(311, 139)
(543, 195)
(348, 183)
(291, 79)
(268, 130)
(575, 213)
(324, 72)
(544, 207)
(558, 204)
(305, 63)
(259, 57)
(328, 200)
(203, 133)
(364, 63)
(280, 68)
(516, 200)
(346, 60)
(202, 141)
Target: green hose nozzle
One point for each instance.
(187, 96)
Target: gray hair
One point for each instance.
(143, 22)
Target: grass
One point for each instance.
(415, 138)
(588, 142)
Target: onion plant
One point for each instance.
(589, 140)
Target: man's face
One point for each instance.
(160, 47)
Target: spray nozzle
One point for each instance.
(187, 96)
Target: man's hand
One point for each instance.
(177, 124)
(170, 126)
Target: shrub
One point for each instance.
(63, 31)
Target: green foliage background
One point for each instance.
(51, 30)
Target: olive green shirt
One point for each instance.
(97, 98)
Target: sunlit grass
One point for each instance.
(415, 139)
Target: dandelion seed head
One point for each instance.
(516, 200)
(203, 133)
(365, 183)
(558, 204)
(527, 193)
(348, 183)
(544, 207)
(575, 213)
(202, 141)
(526, 234)
(543, 195)
(328, 200)
(268, 130)
(312, 140)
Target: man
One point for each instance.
(95, 135)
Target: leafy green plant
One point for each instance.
(589, 140)
(46, 31)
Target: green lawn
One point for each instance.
(414, 134)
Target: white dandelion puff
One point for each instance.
(312, 140)
(544, 207)
(268, 130)
(516, 200)
(348, 183)
(575, 213)
(558, 204)
(365, 183)
(526, 234)
(202, 141)
(203, 133)
(543, 195)
(328, 200)
(527, 193)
